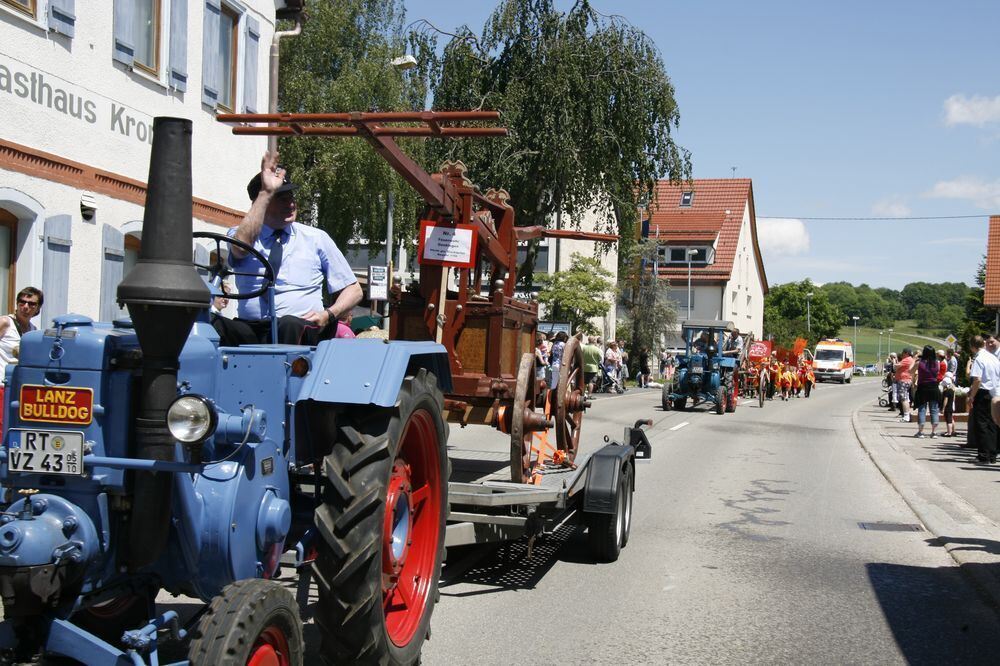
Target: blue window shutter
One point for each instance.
(55, 267)
(211, 65)
(251, 55)
(178, 44)
(112, 269)
(62, 17)
(124, 39)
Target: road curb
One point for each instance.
(972, 539)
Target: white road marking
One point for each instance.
(679, 425)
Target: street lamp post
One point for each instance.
(879, 359)
(888, 348)
(855, 318)
(809, 327)
(690, 253)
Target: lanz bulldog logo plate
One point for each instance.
(57, 404)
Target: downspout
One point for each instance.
(272, 100)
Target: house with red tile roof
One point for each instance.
(706, 230)
(991, 293)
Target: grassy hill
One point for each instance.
(867, 346)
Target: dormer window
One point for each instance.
(700, 255)
(686, 199)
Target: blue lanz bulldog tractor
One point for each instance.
(705, 373)
(141, 456)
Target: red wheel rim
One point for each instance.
(270, 649)
(411, 529)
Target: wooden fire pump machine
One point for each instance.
(488, 332)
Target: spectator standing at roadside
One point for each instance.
(612, 359)
(890, 365)
(985, 375)
(948, 402)
(541, 357)
(556, 354)
(952, 360)
(928, 396)
(644, 370)
(29, 303)
(942, 364)
(903, 373)
(592, 357)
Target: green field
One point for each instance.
(867, 346)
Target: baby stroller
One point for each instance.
(608, 382)
(884, 397)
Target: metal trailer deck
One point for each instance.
(485, 506)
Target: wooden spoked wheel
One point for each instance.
(524, 419)
(570, 399)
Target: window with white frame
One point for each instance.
(27, 7)
(680, 297)
(146, 32)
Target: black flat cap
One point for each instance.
(253, 187)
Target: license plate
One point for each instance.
(697, 370)
(45, 452)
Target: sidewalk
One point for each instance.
(956, 500)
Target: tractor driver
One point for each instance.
(702, 344)
(302, 258)
(734, 345)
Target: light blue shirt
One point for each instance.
(308, 256)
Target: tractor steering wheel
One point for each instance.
(221, 269)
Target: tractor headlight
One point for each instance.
(191, 419)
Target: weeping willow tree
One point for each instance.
(342, 62)
(589, 106)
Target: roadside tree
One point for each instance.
(576, 295)
(589, 105)
(649, 310)
(785, 313)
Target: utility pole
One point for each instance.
(809, 327)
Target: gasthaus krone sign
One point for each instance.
(451, 245)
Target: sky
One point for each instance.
(835, 109)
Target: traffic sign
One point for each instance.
(378, 283)
(951, 340)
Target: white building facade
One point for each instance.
(706, 231)
(80, 84)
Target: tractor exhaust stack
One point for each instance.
(163, 294)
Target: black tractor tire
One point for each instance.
(680, 404)
(249, 618)
(665, 398)
(608, 533)
(720, 400)
(352, 610)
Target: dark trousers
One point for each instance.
(291, 331)
(983, 427)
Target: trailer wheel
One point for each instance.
(252, 622)
(382, 520)
(608, 532)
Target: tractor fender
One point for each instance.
(603, 475)
(370, 372)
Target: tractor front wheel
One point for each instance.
(382, 520)
(252, 622)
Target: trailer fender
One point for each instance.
(603, 475)
(370, 372)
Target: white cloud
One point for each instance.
(982, 193)
(781, 236)
(976, 110)
(892, 207)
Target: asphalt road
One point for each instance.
(745, 548)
